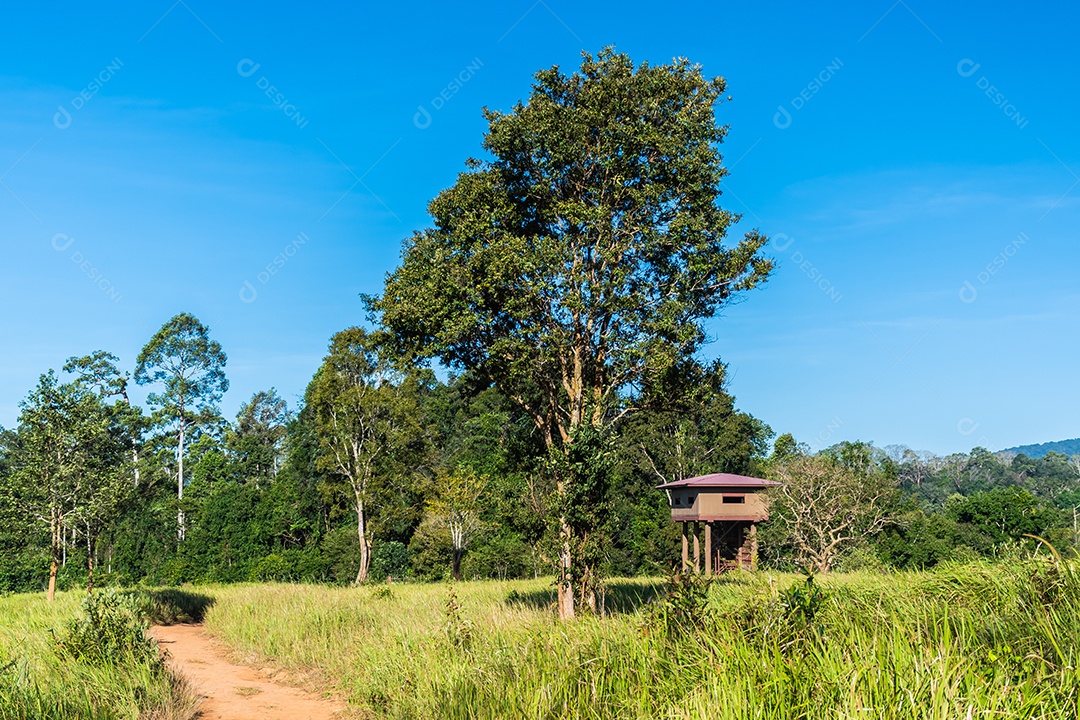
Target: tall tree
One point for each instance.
(189, 368)
(367, 417)
(98, 370)
(585, 257)
(692, 428)
(257, 440)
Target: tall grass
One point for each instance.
(973, 641)
(41, 680)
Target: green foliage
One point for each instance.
(271, 568)
(581, 263)
(111, 630)
(459, 631)
(170, 606)
(584, 505)
(38, 682)
(390, 560)
(257, 440)
(366, 409)
(187, 365)
(1003, 513)
(682, 607)
(800, 604)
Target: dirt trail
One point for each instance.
(236, 692)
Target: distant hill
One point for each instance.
(1065, 447)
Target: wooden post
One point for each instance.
(684, 547)
(697, 549)
(753, 547)
(708, 548)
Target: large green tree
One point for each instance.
(456, 509)
(99, 371)
(585, 256)
(189, 369)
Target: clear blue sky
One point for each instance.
(918, 166)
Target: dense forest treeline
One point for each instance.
(457, 482)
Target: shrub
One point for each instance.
(272, 568)
(683, 606)
(389, 559)
(110, 631)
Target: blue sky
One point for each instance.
(259, 164)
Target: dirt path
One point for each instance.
(236, 692)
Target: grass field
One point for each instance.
(969, 641)
(39, 682)
(973, 641)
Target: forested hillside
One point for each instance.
(1063, 447)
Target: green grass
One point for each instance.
(974, 641)
(38, 682)
(970, 641)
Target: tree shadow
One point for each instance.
(171, 606)
(621, 597)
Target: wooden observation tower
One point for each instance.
(728, 508)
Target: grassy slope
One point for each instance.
(36, 683)
(962, 642)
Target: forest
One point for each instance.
(457, 485)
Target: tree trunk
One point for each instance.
(566, 583)
(365, 545)
(90, 567)
(456, 563)
(180, 485)
(54, 565)
(135, 460)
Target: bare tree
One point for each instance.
(822, 507)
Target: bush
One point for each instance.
(341, 553)
(389, 559)
(683, 606)
(862, 557)
(306, 564)
(112, 630)
(272, 568)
